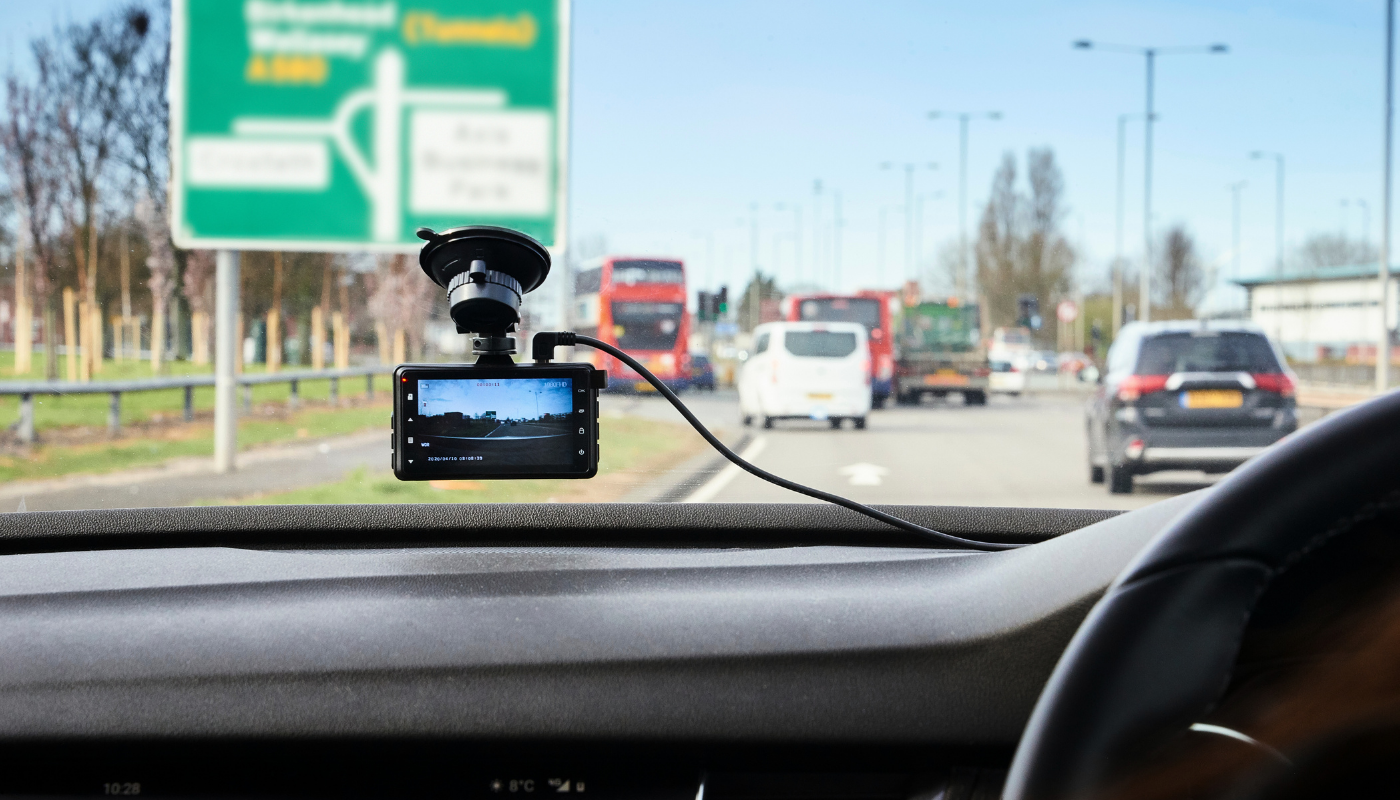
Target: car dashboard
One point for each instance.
(492, 651)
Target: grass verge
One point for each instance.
(52, 412)
(157, 443)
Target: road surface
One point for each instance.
(1024, 451)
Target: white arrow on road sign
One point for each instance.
(863, 474)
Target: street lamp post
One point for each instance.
(965, 281)
(1278, 205)
(1235, 189)
(908, 212)
(1151, 53)
(1383, 273)
(1118, 235)
(797, 242)
(817, 231)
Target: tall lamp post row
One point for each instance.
(1150, 53)
(1383, 272)
(1278, 205)
(965, 279)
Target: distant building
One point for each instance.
(1325, 314)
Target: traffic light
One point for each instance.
(1028, 312)
(722, 302)
(704, 306)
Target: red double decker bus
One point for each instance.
(869, 308)
(637, 304)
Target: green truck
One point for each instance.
(939, 350)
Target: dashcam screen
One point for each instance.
(519, 422)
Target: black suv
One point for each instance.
(1187, 395)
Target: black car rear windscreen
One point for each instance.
(1213, 351)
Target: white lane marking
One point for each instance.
(716, 484)
(863, 474)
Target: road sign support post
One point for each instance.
(225, 345)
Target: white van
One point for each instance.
(806, 370)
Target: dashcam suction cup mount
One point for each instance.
(486, 270)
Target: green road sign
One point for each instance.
(347, 124)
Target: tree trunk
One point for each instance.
(94, 357)
(125, 257)
(342, 347)
(24, 330)
(274, 341)
(381, 338)
(399, 347)
(157, 335)
(84, 341)
(70, 332)
(50, 337)
(318, 339)
(199, 337)
(340, 340)
(274, 317)
(97, 333)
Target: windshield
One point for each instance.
(841, 309)
(938, 327)
(630, 272)
(819, 344)
(646, 326)
(193, 187)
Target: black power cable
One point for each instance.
(542, 350)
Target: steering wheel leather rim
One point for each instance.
(1157, 650)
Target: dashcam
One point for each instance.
(482, 422)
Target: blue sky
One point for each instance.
(510, 398)
(685, 115)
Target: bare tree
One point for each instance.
(1324, 250)
(1020, 249)
(161, 262)
(942, 275)
(1047, 257)
(35, 173)
(762, 292)
(996, 245)
(87, 67)
(1179, 275)
(198, 288)
(400, 298)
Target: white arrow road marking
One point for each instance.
(863, 474)
(714, 485)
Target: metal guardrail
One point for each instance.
(24, 426)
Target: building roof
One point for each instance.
(1349, 272)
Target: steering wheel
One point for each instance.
(1157, 651)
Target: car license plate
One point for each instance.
(643, 386)
(1212, 398)
(819, 396)
(945, 379)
